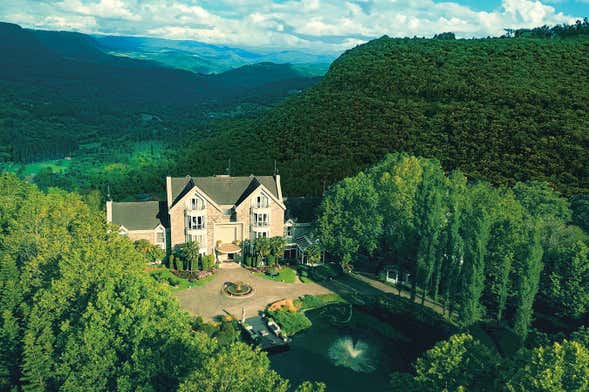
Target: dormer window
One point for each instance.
(196, 203)
(261, 201)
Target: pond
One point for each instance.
(356, 355)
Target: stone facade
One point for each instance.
(214, 211)
(225, 223)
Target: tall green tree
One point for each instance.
(558, 367)
(476, 225)
(460, 363)
(451, 252)
(528, 268)
(566, 283)
(397, 181)
(349, 220)
(542, 201)
(431, 218)
(507, 234)
(580, 210)
(235, 368)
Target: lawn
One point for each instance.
(286, 275)
(316, 301)
(32, 169)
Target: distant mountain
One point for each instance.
(206, 58)
(63, 87)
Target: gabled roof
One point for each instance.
(145, 215)
(223, 190)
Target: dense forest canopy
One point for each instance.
(500, 109)
(78, 312)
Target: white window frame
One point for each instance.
(196, 203)
(262, 234)
(261, 219)
(262, 201)
(193, 222)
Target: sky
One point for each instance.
(320, 26)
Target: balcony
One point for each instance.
(196, 230)
(259, 208)
(191, 212)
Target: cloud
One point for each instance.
(315, 25)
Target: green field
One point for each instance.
(32, 169)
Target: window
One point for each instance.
(196, 203)
(261, 234)
(196, 222)
(197, 238)
(160, 237)
(261, 201)
(261, 219)
(289, 231)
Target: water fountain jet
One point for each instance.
(358, 356)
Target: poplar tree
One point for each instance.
(430, 220)
(528, 269)
(475, 226)
(452, 247)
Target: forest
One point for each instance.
(77, 312)
(507, 257)
(60, 87)
(502, 110)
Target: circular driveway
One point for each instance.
(208, 301)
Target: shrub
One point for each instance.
(248, 261)
(152, 253)
(273, 271)
(228, 332)
(290, 322)
(173, 281)
(203, 274)
(208, 262)
(271, 259)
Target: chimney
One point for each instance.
(169, 191)
(278, 187)
(109, 211)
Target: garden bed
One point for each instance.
(290, 315)
(181, 280)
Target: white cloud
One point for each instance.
(317, 25)
(101, 9)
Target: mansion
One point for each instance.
(218, 212)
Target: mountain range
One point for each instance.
(206, 58)
(65, 87)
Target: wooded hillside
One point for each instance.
(501, 109)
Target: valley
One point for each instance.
(405, 214)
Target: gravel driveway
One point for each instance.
(208, 301)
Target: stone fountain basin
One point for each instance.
(237, 290)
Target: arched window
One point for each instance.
(196, 203)
(261, 201)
